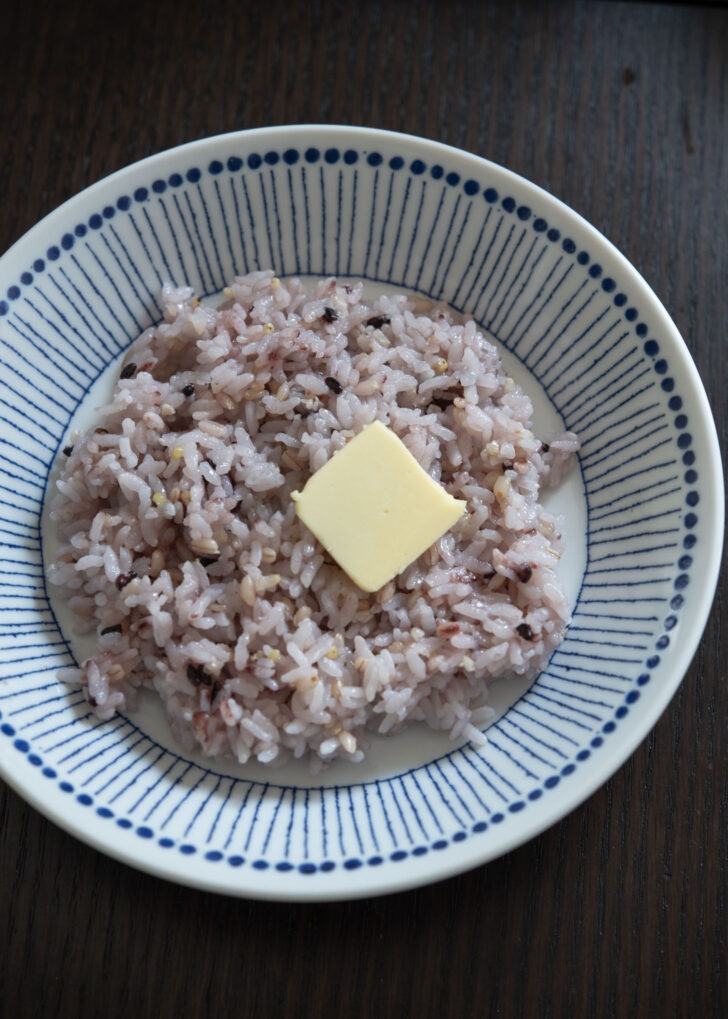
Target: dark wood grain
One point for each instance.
(621, 110)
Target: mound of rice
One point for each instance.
(182, 549)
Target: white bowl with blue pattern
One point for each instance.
(581, 331)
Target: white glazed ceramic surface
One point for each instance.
(579, 329)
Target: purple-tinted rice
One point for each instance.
(182, 550)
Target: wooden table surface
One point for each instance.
(619, 109)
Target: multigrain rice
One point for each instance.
(182, 550)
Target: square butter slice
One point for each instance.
(374, 509)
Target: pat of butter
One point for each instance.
(374, 509)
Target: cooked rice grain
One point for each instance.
(181, 547)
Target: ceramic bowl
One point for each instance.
(578, 328)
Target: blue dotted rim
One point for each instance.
(651, 348)
(331, 156)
